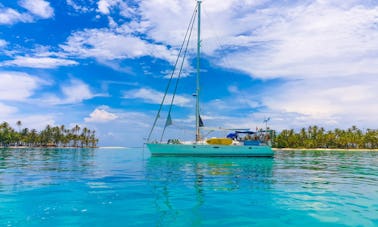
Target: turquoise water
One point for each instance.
(126, 187)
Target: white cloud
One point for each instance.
(6, 110)
(17, 86)
(325, 54)
(33, 121)
(37, 121)
(168, 20)
(327, 101)
(326, 50)
(100, 115)
(13, 114)
(105, 7)
(155, 97)
(112, 23)
(75, 91)
(108, 45)
(307, 41)
(3, 43)
(268, 40)
(131, 125)
(39, 8)
(11, 16)
(38, 62)
(78, 7)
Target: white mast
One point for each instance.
(198, 133)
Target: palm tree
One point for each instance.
(75, 131)
(24, 133)
(32, 138)
(93, 140)
(19, 123)
(330, 140)
(50, 135)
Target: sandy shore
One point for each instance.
(321, 149)
(22, 147)
(275, 149)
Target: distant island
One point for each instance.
(317, 137)
(51, 136)
(313, 137)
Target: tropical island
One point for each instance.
(313, 137)
(50, 136)
(317, 137)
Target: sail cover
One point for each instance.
(200, 121)
(168, 122)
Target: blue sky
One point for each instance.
(103, 64)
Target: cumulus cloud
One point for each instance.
(3, 43)
(100, 115)
(155, 97)
(105, 7)
(6, 110)
(36, 121)
(36, 8)
(11, 16)
(40, 8)
(323, 52)
(131, 125)
(18, 86)
(78, 7)
(330, 101)
(31, 121)
(75, 91)
(12, 114)
(166, 22)
(303, 43)
(108, 45)
(38, 62)
(267, 40)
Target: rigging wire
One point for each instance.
(177, 81)
(172, 74)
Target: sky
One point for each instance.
(104, 64)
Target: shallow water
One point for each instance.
(127, 187)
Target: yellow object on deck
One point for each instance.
(219, 141)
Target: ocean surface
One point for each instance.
(127, 187)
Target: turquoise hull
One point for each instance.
(158, 149)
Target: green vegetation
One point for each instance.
(317, 137)
(48, 137)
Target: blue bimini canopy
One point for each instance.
(232, 135)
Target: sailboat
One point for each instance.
(238, 143)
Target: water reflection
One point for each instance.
(195, 183)
(330, 186)
(226, 174)
(23, 168)
(49, 187)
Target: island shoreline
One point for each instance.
(275, 149)
(322, 149)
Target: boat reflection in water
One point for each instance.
(193, 186)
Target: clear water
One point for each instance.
(126, 187)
